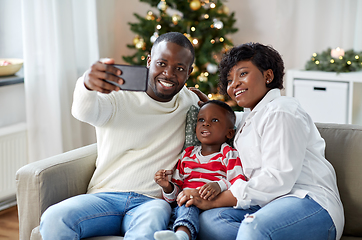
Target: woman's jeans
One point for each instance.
(130, 214)
(188, 217)
(284, 218)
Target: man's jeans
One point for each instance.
(285, 218)
(130, 214)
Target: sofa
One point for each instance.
(46, 182)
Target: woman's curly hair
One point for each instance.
(262, 56)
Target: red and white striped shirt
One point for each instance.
(193, 170)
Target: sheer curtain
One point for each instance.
(298, 28)
(60, 43)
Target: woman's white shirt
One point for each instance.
(282, 154)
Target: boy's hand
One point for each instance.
(161, 178)
(209, 191)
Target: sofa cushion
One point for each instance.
(344, 151)
(190, 128)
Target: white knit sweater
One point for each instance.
(136, 136)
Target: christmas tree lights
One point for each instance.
(206, 23)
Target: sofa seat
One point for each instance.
(46, 182)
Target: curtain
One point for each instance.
(60, 43)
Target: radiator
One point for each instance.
(13, 155)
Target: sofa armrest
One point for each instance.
(46, 182)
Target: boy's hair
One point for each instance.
(179, 39)
(224, 105)
(262, 56)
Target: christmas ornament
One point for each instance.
(150, 16)
(218, 24)
(211, 68)
(140, 44)
(136, 39)
(162, 5)
(194, 70)
(188, 37)
(195, 41)
(171, 12)
(226, 10)
(154, 37)
(202, 77)
(176, 18)
(195, 5)
(216, 96)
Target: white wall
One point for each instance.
(294, 33)
(12, 97)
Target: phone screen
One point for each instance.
(135, 77)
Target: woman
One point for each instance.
(291, 192)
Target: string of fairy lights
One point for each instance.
(335, 60)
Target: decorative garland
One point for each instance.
(335, 60)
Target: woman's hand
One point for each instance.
(202, 96)
(224, 199)
(191, 197)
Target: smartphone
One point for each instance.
(135, 77)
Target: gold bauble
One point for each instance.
(226, 10)
(141, 44)
(216, 96)
(194, 70)
(176, 18)
(136, 39)
(150, 16)
(202, 78)
(195, 5)
(188, 37)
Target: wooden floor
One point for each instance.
(9, 224)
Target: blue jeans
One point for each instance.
(285, 218)
(131, 215)
(188, 217)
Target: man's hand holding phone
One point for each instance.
(105, 77)
(101, 70)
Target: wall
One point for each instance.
(295, 28)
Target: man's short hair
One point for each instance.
(179, 39)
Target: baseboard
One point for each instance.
(7, 203)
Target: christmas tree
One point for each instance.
(206, 23)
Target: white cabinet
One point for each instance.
(328, 97)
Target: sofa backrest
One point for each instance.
(344, 152)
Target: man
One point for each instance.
(137, 134)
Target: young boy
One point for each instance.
(211, 168)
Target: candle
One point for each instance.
(336, 53)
